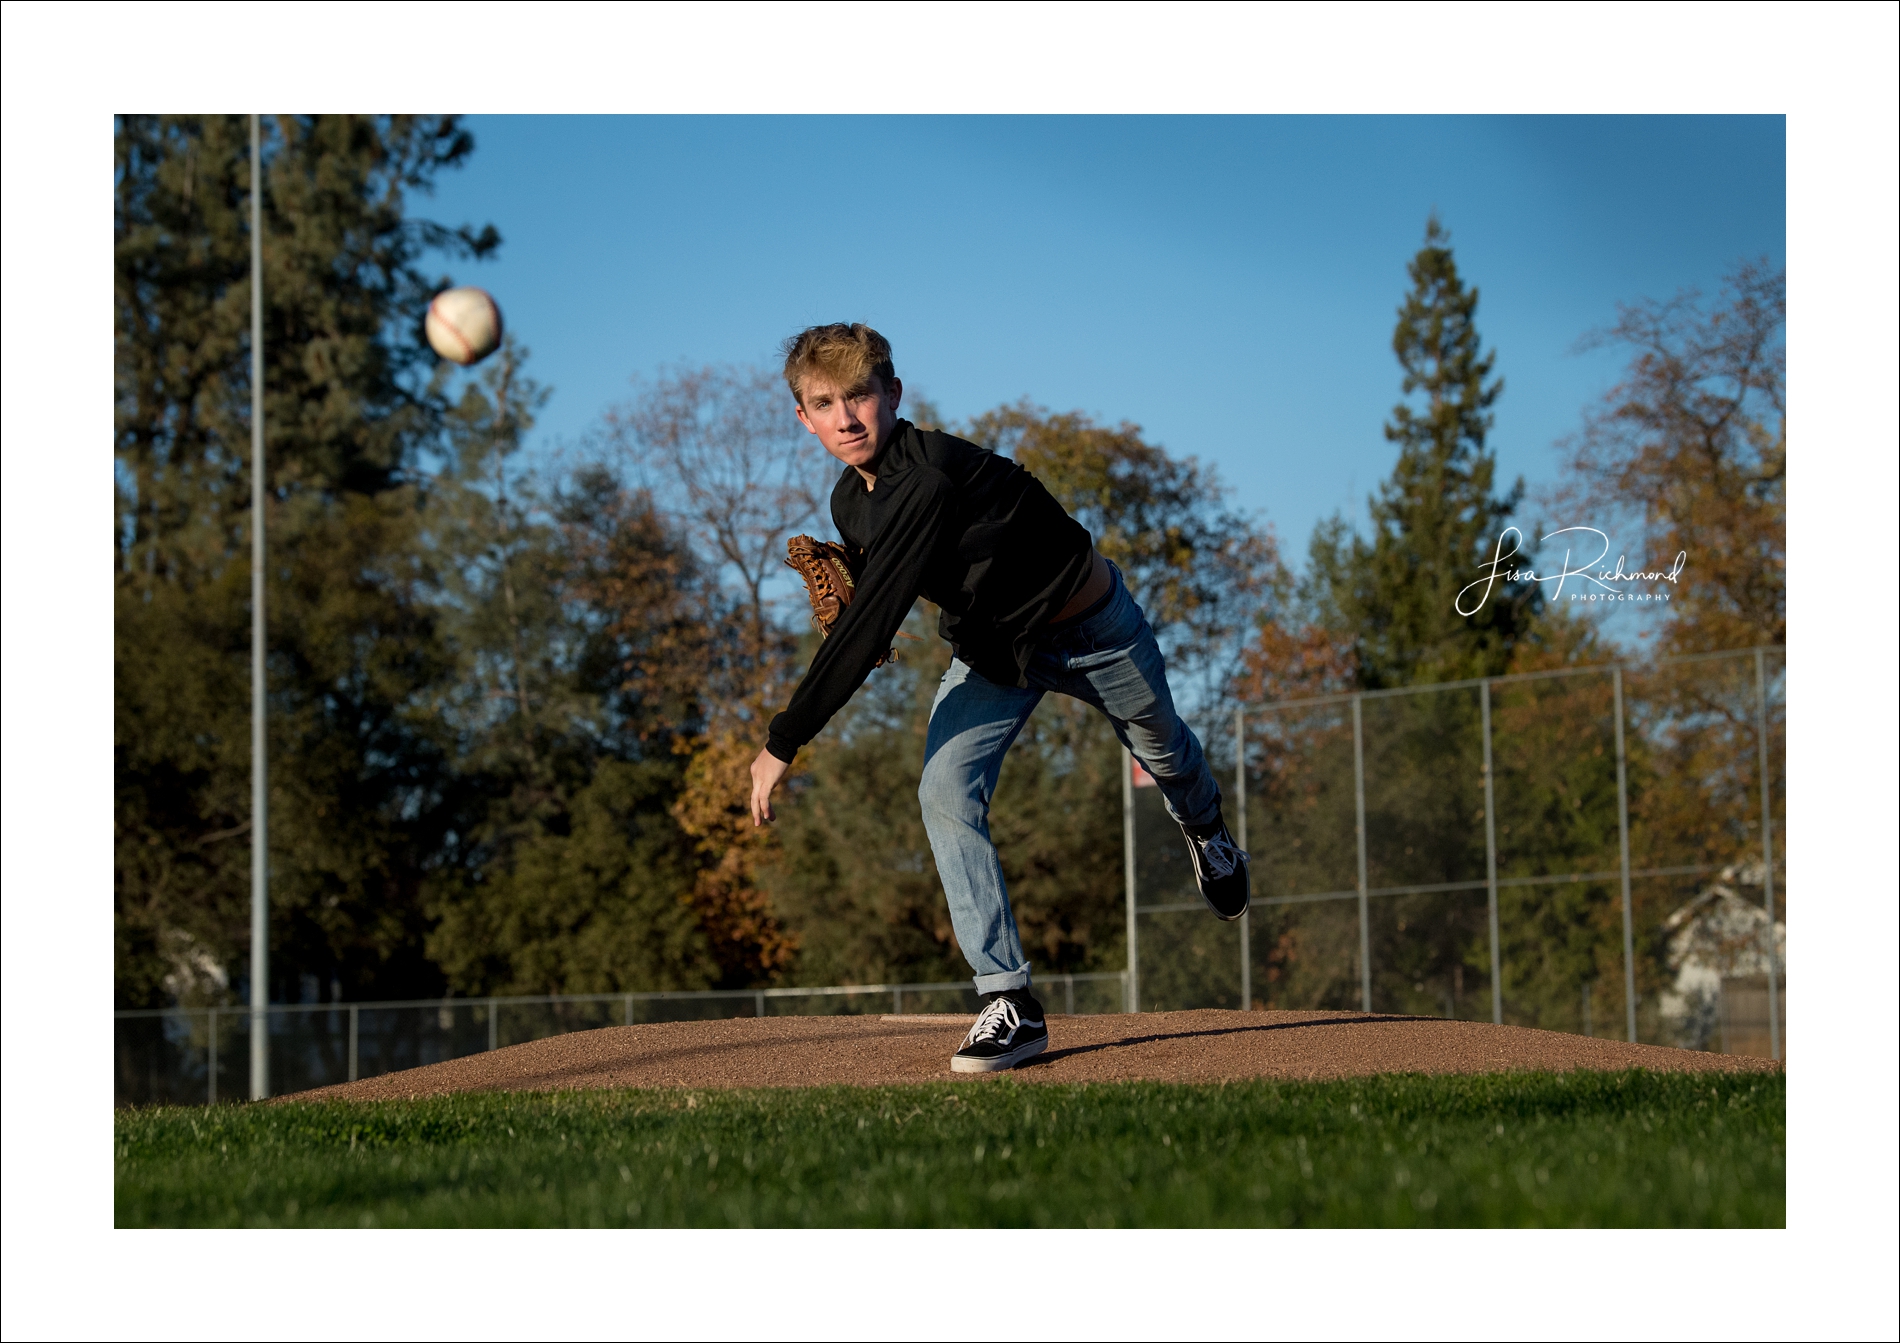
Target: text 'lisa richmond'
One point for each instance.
(1590, 580)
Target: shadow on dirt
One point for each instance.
(1160, 1036)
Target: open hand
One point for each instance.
(767, 770)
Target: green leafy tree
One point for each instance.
(585, 898)
(1688, 453)
(359, 799)
(565, 606)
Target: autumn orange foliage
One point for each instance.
(748, 938)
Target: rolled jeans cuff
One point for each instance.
(1004, 982)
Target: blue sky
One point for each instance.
(1228, 283)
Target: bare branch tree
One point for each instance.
(1693, 445)
(722, 450)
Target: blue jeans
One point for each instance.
(1110, 661)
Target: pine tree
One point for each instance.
(1384, 611)
(360, 797)
(1435, 520)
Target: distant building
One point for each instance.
(1719, 955)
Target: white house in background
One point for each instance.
(1716, 936)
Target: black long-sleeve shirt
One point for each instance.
(959, 526)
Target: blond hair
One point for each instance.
(846, 353)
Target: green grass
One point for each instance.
(1578, 1149)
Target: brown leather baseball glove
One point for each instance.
(830, 572)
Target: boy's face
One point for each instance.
(854, 426)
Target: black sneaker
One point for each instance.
(1220, 870)
(1008, 1030)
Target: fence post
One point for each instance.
(897, 1002)
(626, 1009)
(1767, 849)
(1359, 828)
(494, 1026)
(1623, 847)
(1491, 860)
(1068, 995)
(1132, 989)
(1240, 811)
(353, 1039)
(211, 1069)
(758, 1003)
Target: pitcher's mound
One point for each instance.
(1156, 1046)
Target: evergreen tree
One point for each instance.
(1384, 611)
(1435, 520)
(360, 800)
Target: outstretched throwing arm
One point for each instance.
(861, 637)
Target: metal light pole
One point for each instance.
(260, 797)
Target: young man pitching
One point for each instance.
(1027, 606)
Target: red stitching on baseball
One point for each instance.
(468, 351)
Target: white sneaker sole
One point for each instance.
(1026, 1050)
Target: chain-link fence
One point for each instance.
(183, 1056)
(1588, 850)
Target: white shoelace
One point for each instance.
(1000, 1017)
(1222, 855)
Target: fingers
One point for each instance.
(766, 771)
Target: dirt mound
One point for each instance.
(1158, 1046)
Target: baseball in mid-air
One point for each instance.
(464, 325)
